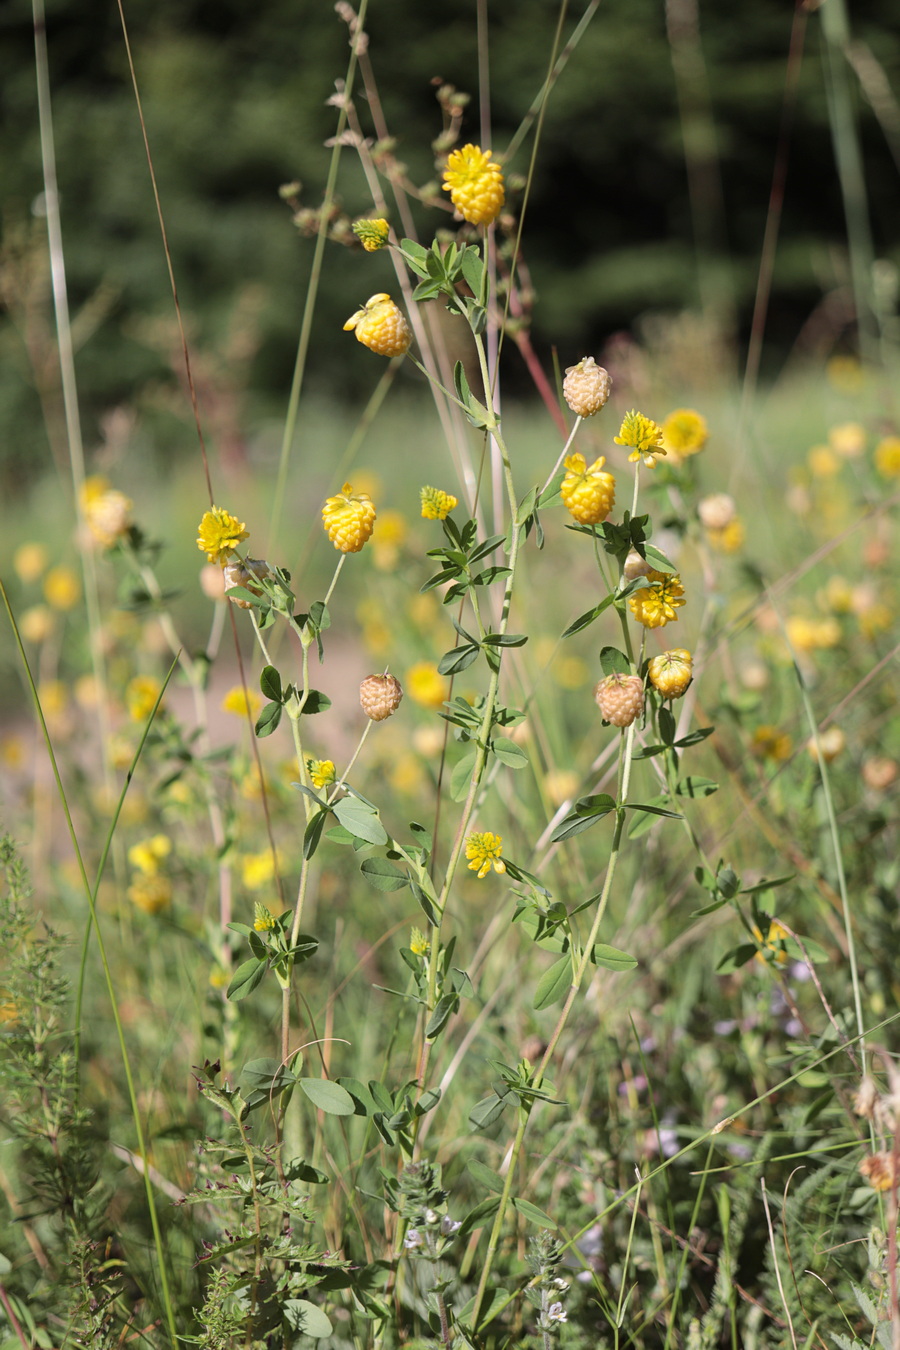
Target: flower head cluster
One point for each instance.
(381, 326)
(586, 387)
(321, 772)
(671, 672)
(372, 234)
(475, 184)
(771, 947)
(263, 918)
(655, 605)
(140, 696)
(643, 435)
(483, 853)
(769, 742)
(349, 519)
(418, 943)
(684, 432)
(436, 505)
(588, 494)
(242, 702)
(219, 534)
(149, 855)
(106, 511)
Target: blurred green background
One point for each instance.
(650, 194)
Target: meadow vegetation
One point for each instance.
(449, 842)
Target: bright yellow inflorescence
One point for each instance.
(684, 432)
(372, 234)
(655, 606)
(644, 437)
(671, 672)
(588, 494)
(475, 184)
(381, 326)
(436, 505)
(321, 772)
(483, 853)
(349, 519)
(219, 534)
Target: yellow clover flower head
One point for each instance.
(263, 918)
(381, 326)
(887, 457)
(418, 943)
(655, 606)
(242, 702)
(426, 686)
(151, 894)
(140, 696)
(149, 854)
(219, 534)
(321, 772)
(643, 435)
(684, 432)
(436, 505)
(62, 589)
(483, 853)
(771, 947)
(30, 561)
(349, 519)
(372, 234)
(257, 869)
(475, 184)
(588, 494)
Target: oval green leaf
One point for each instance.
(327, 1096)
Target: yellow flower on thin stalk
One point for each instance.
(418, 943)
(62, 589)
(643, 435)
(588, 493)
(425, 685)
(241, 701)
(483, 853)
(150, 893)
(349, 519)
(321, 772)
(887, 457)
(263, 918)
(436, 505)
(140, 697)
(655, 605)
(684, 432)
(475, 184)
(219, 534)
(30, 561)
(149, 855)
(372, 234)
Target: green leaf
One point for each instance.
(459, 659)
(737, 957)
(327, 1096)
(478, 1217)
(415, 255)
(316, 702)
(653, 810)
(553, 984)
(489, 575)
(364, 1102)
(505, 639)
(306, 1318)
(508, 753)
(270, 683)
(586, 619)
(446, 1004)
(658, 559)
(666, 725)
(766, 885)
(610, 958)
(614, 662)
(474, 271)
(313, 833)
(485, 1112)
(476, 412)
(427, 903)
(245, 979)
(384, 876)
(484, 1176)
(361, 820)
(490, 1308)
(692, 786)
(461, 776)
(588, 810)
(268, 719)
(530, 1211)
(695, 737)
